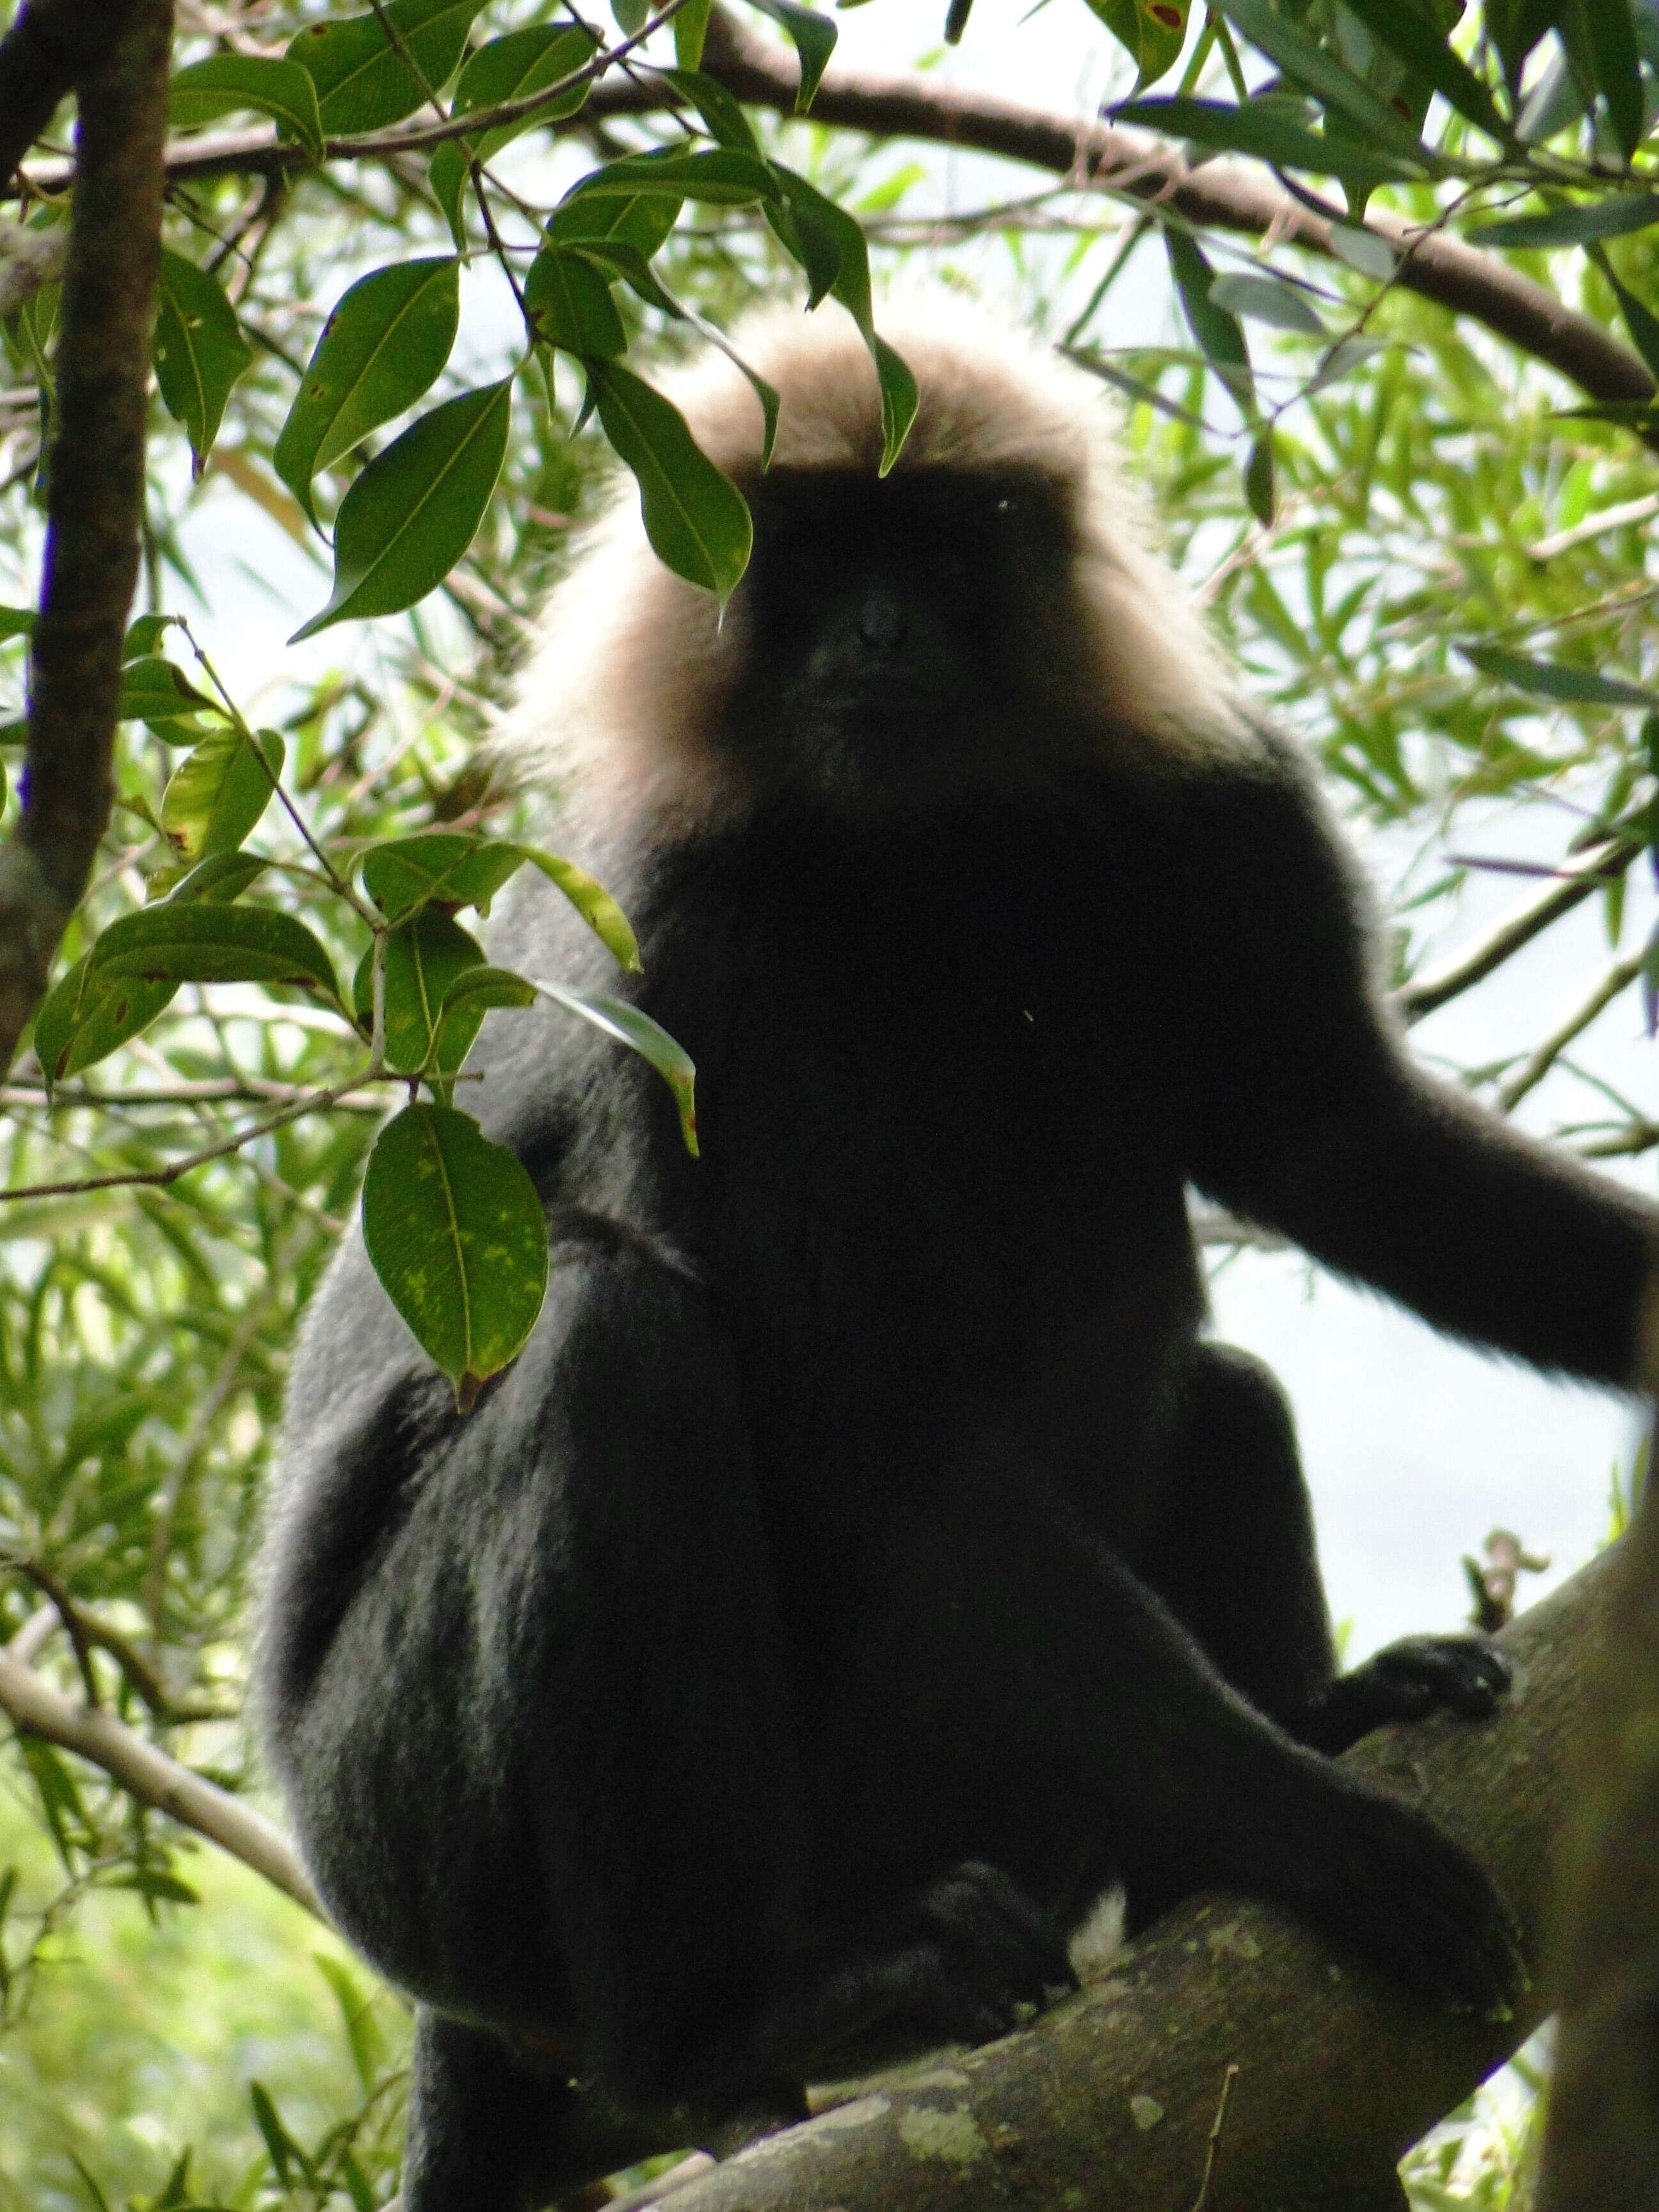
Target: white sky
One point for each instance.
(1415, 1447)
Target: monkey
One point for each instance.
(870, 1560)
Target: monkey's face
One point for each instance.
(891, 631)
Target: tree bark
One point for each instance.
(96, 480)
(1111, 2099)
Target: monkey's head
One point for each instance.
(988, 612)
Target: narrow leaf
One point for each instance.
(458, 1237)
(1553, 680)
(199, 351)
(207, 942)
(415, 508)
(440, 867)
(643, 222)
(1266, 301)
(1572, 225)
(593, 901)
(1396, 25)
(384, 345)
(721, 176)
(695, 516)
(723, 118)
(155, 689)
(509, 68)
(218, 792)
(1151, 32)
(616, 1018)
(1319, 71)
(1609, 31)
(569, 301)
(423, 957)
(1261, 129)
(814, 40)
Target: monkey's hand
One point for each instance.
(987, 1957)
(1463, 1674)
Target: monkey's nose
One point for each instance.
(881, 622)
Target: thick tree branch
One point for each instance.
(1111, 2100)
(1221, 194)
(95, 498)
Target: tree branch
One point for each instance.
(1115, 2095)
(154, 1778)
(1220, 194)
(95, 498)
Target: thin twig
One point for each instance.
(1212, 2148)
(1539, 1062)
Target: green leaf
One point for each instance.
(723, 118)
(1219, 335)
(273, 87)
(617, 1018)
(643, 222)
(593, 901)
(222, 876)
(509, 68)
(440, 867)
(1259, 128)
(16, 621)
(199, 351)
(207, 942)
(1639, 320)
(1553, 680)
(825, 230)
(362, 82)
(415, 508)
(569, 300)
(1364, 251)
(458, 1237)
(814, 40)
(1572, 225)
(423, 959)
(690, 31)
(384, 345)
(363, 2029)
(1319, 72)
(1259, 479)
(156, 690)
(1151, 32)
(219, 790)
(1609, 34)
(720, 176)
(485, 987)
(1266, 301)
(145, 636)
(1396, 25)
(695, 516)
(1516, 26)
(286, 2156)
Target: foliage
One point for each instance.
(400, 337)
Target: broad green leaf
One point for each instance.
(1268, 300)
(1553, 680)
(694, 515)
(1151, 32)
(357, 2017)
(630, 16)
(1396, 25)
(813, 37)
(723, 118)
(643, 222)
(508, 68)
(439, 867)
(155, 689)
(145, 636)
(219, 790)
(362, 82)
(1217, 332)
(273, 87)
(477, 989)
(1610, 35)
(617, 1018)
(569, 300)
(415, 508)
(207, 942)
(384, 345)
(457, 1235)
(1261, 128)
(833, 231)
(423, 957)
(1319, 71)
(199, 351)
(1572, 225)
(88, 1013)
(721, 176)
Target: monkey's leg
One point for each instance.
(1234, 1558)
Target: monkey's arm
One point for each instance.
(1313, 1119)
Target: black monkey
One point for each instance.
(868, 1560)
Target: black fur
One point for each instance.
(867, 1560)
